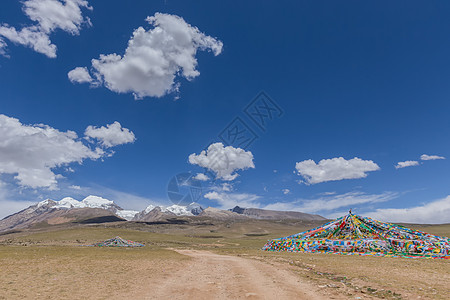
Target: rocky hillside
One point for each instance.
(220, 214)
(258, 213)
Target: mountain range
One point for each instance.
(267, 214)
(94, 209)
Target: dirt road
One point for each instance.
(213, 276)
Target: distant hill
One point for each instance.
(220, 214)
(156, 214)
(258, 213)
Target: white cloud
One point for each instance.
(48, 15)
(328, 193)
(334, 169)
(324, 204)
(285, 191)
(3, 47)
(407, 163)
(155, 58)
(30, 37)
(230, 200)
(31, 152)
(201, 177)
(80, 75)
(430, 157)
(412, 163)
(223, 161)
(222, 187)
(75, 187)
(54, 14)
(111, 135)
(435, 212)
(226, 187)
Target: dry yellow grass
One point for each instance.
(51, 264)
(68, 272)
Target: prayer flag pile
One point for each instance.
(118, 242)
(356, 235)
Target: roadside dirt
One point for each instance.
(213, 276)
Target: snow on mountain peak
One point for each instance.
(149, 208)
(178, 210)
(127, 214)
(97, 202)
(69, 202)
(45, 203)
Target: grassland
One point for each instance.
(53, 263)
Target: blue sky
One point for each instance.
(366, 80)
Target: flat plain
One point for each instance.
(205, 259)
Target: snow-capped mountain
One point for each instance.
(127, 214)
(69, 209)
(195, 208)
(89, 202)
(177, 210)
(152, 212)
(192, 209)
(64, 211)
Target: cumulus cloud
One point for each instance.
(230, 200)
(201, 177)
(407, 163)
(80, 75)
(31, 152)
(430, 157)
(285, 191)
(111, 135)
(75, 187)
(222, 187)
(48, 16)
(154, 58)
(223, 161)
(435, 212)
(412, 163)
(333, 202)
(334, 169)
(226, 187)
(30, 37)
